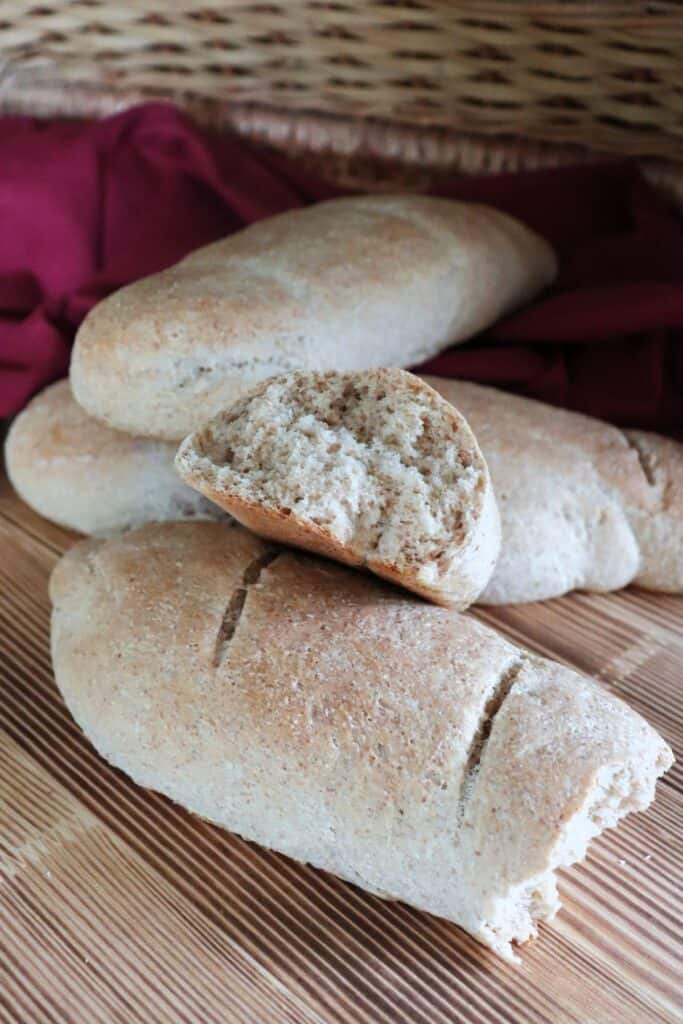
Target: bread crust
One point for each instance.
(82, 475)
(343, 722)
(346, 284)
(577, 508)
(659, 531)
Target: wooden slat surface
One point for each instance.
(117, 906)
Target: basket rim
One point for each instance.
(603, 12)
(317, 131)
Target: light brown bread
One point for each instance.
(583, 505)
(658, 522)
(372, 468)
(348, 284)
(323, 714)
(81, 474)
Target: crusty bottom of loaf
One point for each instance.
(514, 921)
(511, 921)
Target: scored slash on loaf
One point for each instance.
(347, 284)
(324, 714)
(371, 468)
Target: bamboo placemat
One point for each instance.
(117, 906)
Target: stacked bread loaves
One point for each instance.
(310, 707)
(582, 504)
(351, 283)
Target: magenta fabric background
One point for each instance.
(86, 207)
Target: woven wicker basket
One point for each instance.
(430, 83)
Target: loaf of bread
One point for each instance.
(658, 522)
(324, 714)
(372, 468)
(348, 284)
(583, 505)
(75, 471)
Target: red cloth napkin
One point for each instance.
(87, 207)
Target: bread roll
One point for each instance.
(345, 285)
(80, 474)
(658, 522)
(372, 468)
(583, 505)
(321, 713)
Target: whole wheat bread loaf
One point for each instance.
(347, 284)
(372, 468)
(583, 505)
(81, 474)
(324, 714)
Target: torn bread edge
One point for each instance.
(454, 576)
(619, 776)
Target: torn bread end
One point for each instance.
(372, 468)
(616, 791)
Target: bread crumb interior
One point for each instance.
(378, 462)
